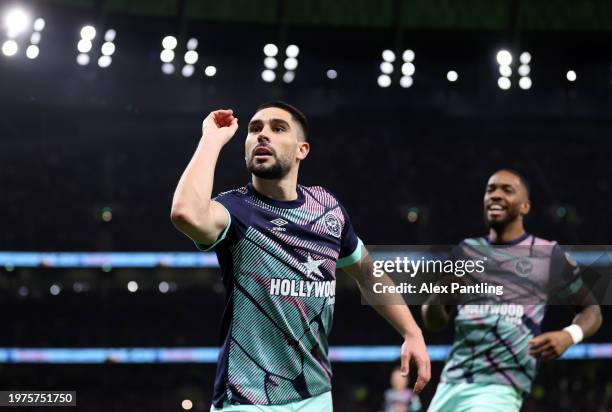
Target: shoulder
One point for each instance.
(320, 195)
(233, 194)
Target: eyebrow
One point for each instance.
(272, 121)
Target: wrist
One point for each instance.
(211, 142)
(413, 332)
(576, 333)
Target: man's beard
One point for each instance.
(497, 225)
(272, 172)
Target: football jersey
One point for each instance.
(491, 340)
(278, 260)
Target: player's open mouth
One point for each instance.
(495, 207)
(262, 151)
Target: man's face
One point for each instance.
(505, 200)
(274, 144)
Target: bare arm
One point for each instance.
(193, 211)
(413, 349)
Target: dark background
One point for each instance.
(75, 140)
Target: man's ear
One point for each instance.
(526, 207)
(303, 150)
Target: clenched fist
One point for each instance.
(550, 345)
(220, 125)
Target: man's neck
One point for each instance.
(284, 188)
(507, 234)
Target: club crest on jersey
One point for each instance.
(332, 224)
(524, 267)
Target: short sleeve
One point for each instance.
(566, 283)
(350, 244)
(222, 236)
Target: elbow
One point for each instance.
(180, 216)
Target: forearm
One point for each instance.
(589, 319)
(192, 197)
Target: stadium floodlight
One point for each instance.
(289, 76)
(84, 46)
(186, 404)
(104, 61)
(504, 83)
(32, 51)
(525, 58)
(292, 51)
(110, 35)
(505, 71)
(268, 76)
(571, 75)
(55, 289)
(406, 81)
(270, 63)
(408, 55)
(35, 37)
(83, 59)
(384, 80)
(192, 44)
(525, 83)
(166, 55)
(169, 42)
(167, 68)
(16, 21)
(10, 48)
(504, 58)
(39, 24)
(291, 63)
(210, 71)
(408, 69)
(108, 48)
(270, 50)
(191, 57)
(388, 56)
(524, 70)
(386, 67)
(132, 286)
(452, 76)
(332, 74)
(88, 32)
(188, 70)
(164, 287)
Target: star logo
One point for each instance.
(312, 266)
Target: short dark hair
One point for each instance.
(520, 177)
(296, 114)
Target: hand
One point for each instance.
(414, 351)
(550, 345)
(220, 125)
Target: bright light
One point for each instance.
(35, 37)
(186, 404)
(210, 71)
(191, 57)
(83, 59)
(270, 63)
(408, 69)
(110, 35)
(386, 67)
(268, 76)
(270, 50)
(84, 46)
(406, 81)
(169, 42)
(16, 22)
(104, 62)
(55, 289)
(32, 51)
(388, 56)
(571, 75)
(164, 287)
(525, 83)
(332, 74)
(288, 76)
(166, 55)
(39, 24)
(452, 76)
(192, 43)
(408, 55)
(88, 33)
(108, 48)
(525, 57)
(167, 68)
(524, 70)
(504, 58)
(384, 80)
(132, 286)
(292, 50)
(505, 71)
(9, 48)
(187, 70)
(503, 83)
(291, 63)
